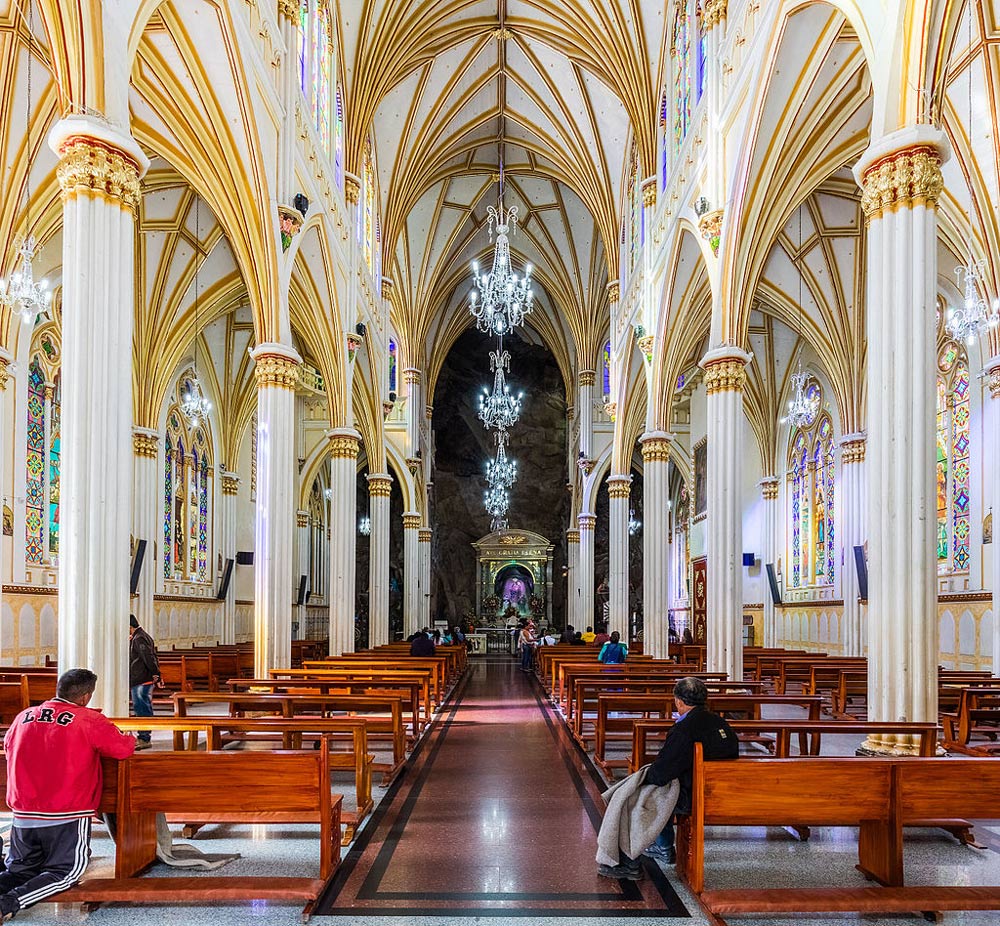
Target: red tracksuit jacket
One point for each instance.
(54, 760)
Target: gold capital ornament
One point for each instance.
(144, 445)
(769, 488)
(655, 450)
(4, 373)
(994, 375)
(907, 178)
(853, 451)
(713, 13)
(344, 446)
(276, 370)
(425, 534)
(619, 487)
(96, 168)
(587, 377)
(411, 522)
(726, 375)
(379, 486)
(230, 483)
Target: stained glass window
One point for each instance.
(55, 448)
(317, 67)
(699, 57)
(34, 551)
(369, 211)
(392, 365)
(812, 463)
(338, 141)
(323, 79)
(168, 506)
(954, 528)
(664, 138)
(606, 369)
(680, 51)
(304, 23)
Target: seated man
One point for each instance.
(422, 645)
(588, 635)
(54, 782)
(694, 724)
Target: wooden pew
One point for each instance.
(14, 698)
(977, 715)
(41, 681)
(436, 665)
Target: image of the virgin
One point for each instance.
(514, 584)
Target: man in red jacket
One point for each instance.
(54, 783)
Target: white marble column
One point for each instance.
(276, 372)
(344, 444)
(379, 489)
(227, 544)
(852, 514)
(585, 411)
(411, 572)
(992, 474)
(585, 575)
(769, 522)
(288, 21)
(99, 171)
(900, 179)
(655, 541)
(147, 506)
(619, 488)
(414, 411)
(725, 375)
(425, 535)
(303, 539)
(49, 393)
(6, 430)
(573, 581)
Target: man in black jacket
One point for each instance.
(143, 674)
(695, 724)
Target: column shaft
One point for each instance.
(573, 581)
(276, 372)
(379, 487)
(769, 503)
(303, 538)
(656, 543)
(992, 431)
(424, 620)
(585, 412)
(618, 498)
(6, 429)
(99, 175)
(585, 612)
(227, 543)
(343, 537)
(852, 512)
(900, 177)
(724, 379)
(411, 572)
(146, 492)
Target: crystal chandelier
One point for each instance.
(20, 293)
(194, 405)
(497, 502)
(501, 471)
(802, 407)
(972, 317)
(365, 526)
(634, 524)
(499, 409)
(506, 298)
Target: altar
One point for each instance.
(513, 577)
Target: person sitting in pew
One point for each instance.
(577, 639)
(54, 783)
(422, 645)
(588, 635)
(694, 724)
(614, 651)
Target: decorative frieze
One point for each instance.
(909, 177)
(379, 485)
(89, 166)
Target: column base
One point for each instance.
(892, 745)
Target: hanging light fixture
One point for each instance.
(803, 404)
(20, 292)
(499, 408)
(972, 317)
(497, 502)
(634, 524)
(194, 405)
(501, 470)
(365, 526)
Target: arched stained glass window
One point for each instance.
(317, 67)
(812, 468)
(187, 497)
(680, 53)
(664, 138)
(43, 446)
(606, 369)
(55, 457)
(34, 551)
(699, 55)
(392, 365)
(954, 528)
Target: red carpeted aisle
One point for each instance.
(497, 815)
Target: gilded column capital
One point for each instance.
(49, 391)
(425, 535)
(655, 446)
(586, 377)
(144, 442)
(276, 366)
(386, 288)
(713, 13)
(769, 488)
(586, 521)
(352, 188)
(289, 9)
(852, 448)
(379, 485)
(902, 170)
(572, 535)
(412, 376)
(993, 372)
(230, 483)
(344, 443)
(614, 290)
(429, 412)
(725, 369)
(301, 518)
(649, 192)
(93, 166)
(411, 521)
(4, 371)
(619, 486)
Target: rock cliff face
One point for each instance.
(539, 499)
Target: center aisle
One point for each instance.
(497, 815)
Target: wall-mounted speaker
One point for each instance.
(227, 575)
(137, 559)
(861, 565)
(772, 582)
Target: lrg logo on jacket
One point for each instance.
(48, 715)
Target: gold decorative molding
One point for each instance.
(502, 34)
(611, 410)
(30, 590)
(513, 540)
(230, 483)
(90, 166)
(379, 486)
(289, 9)
(144, 445)
(344, 446)
(769, 488)
(587, 522)
(909, 177)
(710, 226)
(619, 487)
(645, 344)
(411, 522)
(655, 450)
(352, 189)
(572, 536)
(301, 518)
(994, 382)
(386, 288)
(649, 193)
(411, 376)
(275, 370)
(613, 291)
(713, 13)
(853, 451)
(4, 373)
(726, 375)
(587, 377)
(429, 412)
(425, 535)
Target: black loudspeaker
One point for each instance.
(861, 564)
(748, 560)
(301, 202)
(140, 555)
(303, 590)
(772, 581)
(227, 575)
(244, 558)
(360, 329)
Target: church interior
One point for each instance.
(327, 325)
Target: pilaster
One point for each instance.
(411, 572)
(344, 443)
(586, 521)
(992, 474)
(586, 413)
(379, 490)
(619, 489)
(6, 429)
(146, 493)
(424, 536)
(853, 515)
(227, 544)
(573, 579)
(656, 542)
(769, 502)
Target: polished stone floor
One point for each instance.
(495, 819)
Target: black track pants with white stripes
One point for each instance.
(44, 861)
